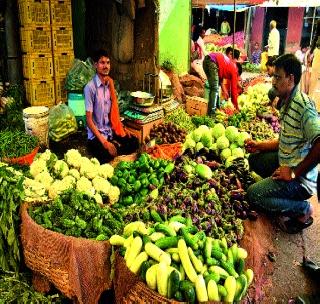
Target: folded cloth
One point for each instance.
(293, 225)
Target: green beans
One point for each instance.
(16, 143)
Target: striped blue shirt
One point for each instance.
(300, 127)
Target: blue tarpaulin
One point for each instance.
(230, 8)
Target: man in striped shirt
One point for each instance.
(288, 164)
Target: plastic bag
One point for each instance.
(79, 75)
(62, 122)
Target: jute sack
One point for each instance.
(78, 267)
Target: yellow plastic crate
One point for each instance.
(62, 62)
(37, 66)
(34, 12)
(35, 39)
(40, 92)
(60, 91)
(61, 13)
(62, 38)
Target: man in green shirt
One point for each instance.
(288, 164)
(225, 27)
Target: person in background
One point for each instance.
(256, 54)
(106, 136)
(288, 164)
(273, 40)
(270, 66)
(217, 67)
(234, 55)
(225, 27)
(314, 57)
(198, 51)
(264, 59)
(301, 54)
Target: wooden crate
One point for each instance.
(37, 66)
(62, 63)
(61, 12)
(35, 39)
(40, 92)
(60, 91)
(62, 38)
(196, 105)
(34, 12)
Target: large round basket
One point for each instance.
(78, 267)
(23, 160)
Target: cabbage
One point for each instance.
(218, 130)
(233, 146)
(206, 138)
(231, 133)
(203, 128)
(238, 152)
(214, 147)
(222, 143)
(189, 143)
(242, 137)
(199, 146)
(225, 153)
(196, 135)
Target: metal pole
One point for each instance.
(234, 23)
(313, 17)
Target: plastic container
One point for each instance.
(77, 104)
(34, 12)
(40, 92)
(35, 39)
(36, 120)
(37, 66)
(62, 38)
(61, 14)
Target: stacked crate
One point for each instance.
(62, 44)
(36, 45)
(47, 46)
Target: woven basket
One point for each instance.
(23, 160)
(130, 289)
(78, 267)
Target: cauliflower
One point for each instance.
(45, 179)
(56, 188)
(69, 180)
(113, 194)
(37, 167)
(85, 185)
(75, 173)
(45, 155)
(106, 171)
(101, 185)
(33, 190)
(73, 158)
(95, 161)
(61, 168)
(88, 169)
(98, 198)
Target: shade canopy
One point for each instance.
(203, 3)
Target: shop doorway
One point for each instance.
(279, 14)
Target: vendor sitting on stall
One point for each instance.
(288, 164)
(217, 67)
(106, 136)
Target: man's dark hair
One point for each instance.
(97, 54)
(235, 53)
(239, 66)
(291, 65)
(270, 61)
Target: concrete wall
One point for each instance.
(295, 22)
(174, 33)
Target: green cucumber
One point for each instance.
(217, 254)
(208, 247)
(178, 218)
(167, 242)
(239, 267)
(168, 231)
(156, 216)
(173, 283)
(212, 276)
(229, 268)
(143, 270)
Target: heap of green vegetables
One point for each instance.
(16, 143)
(11, 196)
(77, 214)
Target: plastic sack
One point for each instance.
(79, 75)
(62, 122)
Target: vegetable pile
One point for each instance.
(77, 214)
(180, 117)
(11, 196)
(16, 143)
(167, 133)
(139, 179)
(182, 263)
(51, 176)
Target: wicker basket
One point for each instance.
(130, 289)
(79, 268)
